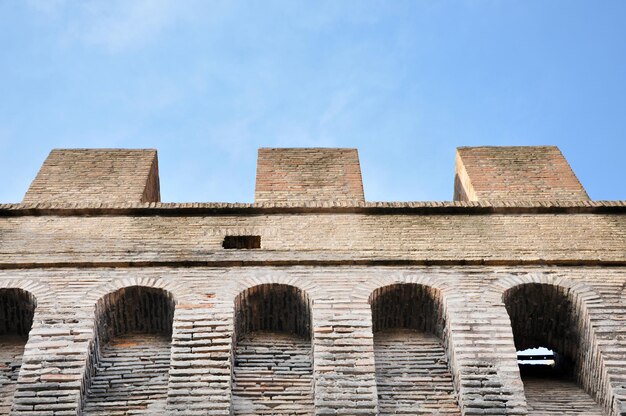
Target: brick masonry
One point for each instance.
(564, 398)
(130, 376)
(308, 174)
(514, 172)
(97, 175)
(340, 297)
(412, 373)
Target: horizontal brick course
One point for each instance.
(584, 238)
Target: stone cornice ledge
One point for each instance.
(379, 208)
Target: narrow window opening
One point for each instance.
(540, 356)
(543, 362)
(246, 242)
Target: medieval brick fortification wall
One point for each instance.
(112, 303)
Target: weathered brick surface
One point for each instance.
(138, 309)
(128, 366)
(17, 308)
(412, 373)
(308, 174)
(479, 344)
(273, 368)
(273, 374)
(11, 351)
(96, 175)
(565, 398)
(515, 172)
(315, 237)
(130, 376)
(412, 370)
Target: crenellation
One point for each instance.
(96, 175)
(505, 173)
(311, 301)
(308, 175)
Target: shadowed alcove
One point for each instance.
(130, 357)
(273, 364)
(17, 308)
(545, 316)
(412, 372)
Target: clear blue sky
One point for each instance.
(208, 82)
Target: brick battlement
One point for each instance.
(97, 175)
(311, 301)
(308, 175)
(516, 172)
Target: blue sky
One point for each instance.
(208, 82)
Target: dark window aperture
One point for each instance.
(242, 242)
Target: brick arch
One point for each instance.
(580, 289)
(177, 290)
(115, 315)
(430, 280)
(407, 306)
(567, 301)
(257, 309)
(272, 348)
(44, 295)
(364, 291)
(312, 289)
(411, 344)
(131, 340)
(231, 292)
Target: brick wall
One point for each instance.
(96, 175)
(479, 344)
(347, 307)
(308, 174)
(536, 173)
(461, 236)
(412, 370)
(273, 367)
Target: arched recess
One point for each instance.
(129, 361)
(17, 308)
(412, 372)
(273, 360)
(549, 316)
